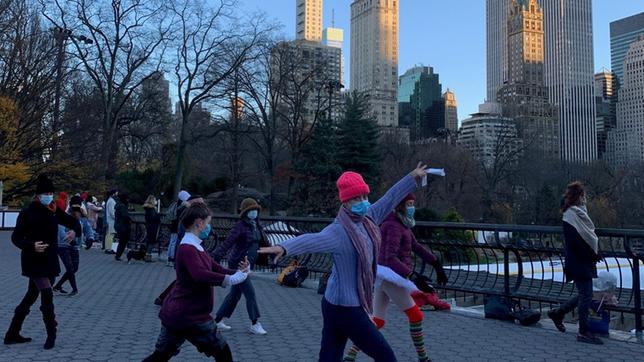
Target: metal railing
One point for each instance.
(524, 262)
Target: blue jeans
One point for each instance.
(582, 301)
(71, 260)
(230, 303)
(343, 323)
(172, 246)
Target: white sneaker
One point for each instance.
(221, 325)
(256, 329)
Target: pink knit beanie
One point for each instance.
(350, 185)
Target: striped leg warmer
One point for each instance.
(415, 316)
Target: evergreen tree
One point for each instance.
(358, 136)
(317, 171)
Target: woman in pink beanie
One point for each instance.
(353, 239)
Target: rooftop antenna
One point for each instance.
(333, 17)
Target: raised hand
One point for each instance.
(419, 172)
(244, 265)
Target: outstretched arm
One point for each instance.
(326, 241)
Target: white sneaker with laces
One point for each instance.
(221, 325)
(257, 329)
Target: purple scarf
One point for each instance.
(366, 275)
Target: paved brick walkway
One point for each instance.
(113, 319)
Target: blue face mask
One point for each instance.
(252, 214)
(205, 233)
(411, 211)
(46, 199)
(360, 208)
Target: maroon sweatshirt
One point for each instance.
(191, 300)
(398, 243)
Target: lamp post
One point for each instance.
(61, 35)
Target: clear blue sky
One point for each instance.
(447, 35)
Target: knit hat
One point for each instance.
(247, 205)
(409, 196)
(184, 195)
(350, 185)
(44, 185)
(84, 196)
(75, 201)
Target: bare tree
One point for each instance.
(211, 44)
(128, 44)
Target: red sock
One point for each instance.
(414, 314)
(379, 322)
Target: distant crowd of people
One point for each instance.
(372, 247)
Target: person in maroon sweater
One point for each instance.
(185, 313)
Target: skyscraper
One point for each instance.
(374, 56)
(626, 142)
(451, 111)
(420, 102)
(334, 37)
(623, 32)
(605, 105)
(569, 75)
(523, 97)
(496, 13)
(309, 20)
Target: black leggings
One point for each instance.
(42, 287)
(124, 238)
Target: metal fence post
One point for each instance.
(637, 295)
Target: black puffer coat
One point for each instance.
(35, 223)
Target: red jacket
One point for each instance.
(398, 243)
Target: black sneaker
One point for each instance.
(588, 338)
(117, 258)
(73, 293)
(557, 319)
(59, 290)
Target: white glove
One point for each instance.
(237, 278)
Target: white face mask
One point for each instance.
(46, 199)
(252, 214)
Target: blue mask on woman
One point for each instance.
(361, 208)
(46, 199)
(252, 214)
(411, 211)
(205, 233)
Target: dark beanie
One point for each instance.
(44, 185)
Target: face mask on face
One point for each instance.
(46, 199)
(410, 212)
(205, 232)
(252, 214)
(360, 208)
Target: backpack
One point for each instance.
(498, 307)
(171, 214)
(293, 275)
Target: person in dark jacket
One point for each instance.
(36, 234)
(185, 314)
(123, 224)
(582, 255)
(396, 253)
(244, 240)
(152, 223)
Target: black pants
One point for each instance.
(582, 301)
(203, 336)
(343, 323)
(230, 303)
(124, 238)
(71, 259)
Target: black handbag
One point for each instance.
(497, 307)
(525, 316)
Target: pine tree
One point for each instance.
(358, 135)
(317, 171)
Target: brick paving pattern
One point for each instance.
(113, 319)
